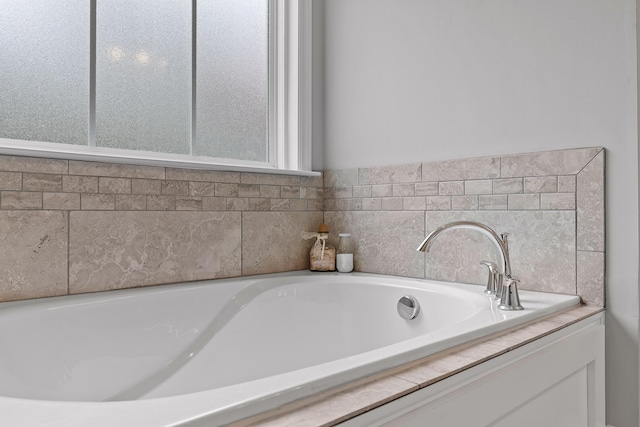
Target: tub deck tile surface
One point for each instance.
(338, 405)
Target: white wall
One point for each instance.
(415, 80)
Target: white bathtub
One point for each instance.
(219, 351)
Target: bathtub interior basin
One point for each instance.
(236, 342)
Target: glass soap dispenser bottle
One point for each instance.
(344, 254)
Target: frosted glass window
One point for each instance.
(143, 75)
(232, 82)
(44, 70)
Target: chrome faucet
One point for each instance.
(504, 284)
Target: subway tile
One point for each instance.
(11, 181)
(507, 186)
(116, 170)
(541, 184)
(175, 188)
(61, 201)
(248, 190)
(201, 188)
(270, 191)
(567, 184)
(214, 203)
(338, 192)
(41, 182)
(391, 203)
(79, 184)
(311, 193)
(114, 185)
(559, 201)
(131, 202)
(161, 203)
(150, 187)
(464, 203)
(97, 202)
(314, 205)
(279, 204)
(461, 169)
(186, 203)
(414, 203)
(259, 204)
(33, 164)
(382, 190)
(329, 205)
(451, 188)
(395, 174)
(362, 191)
(238, 203)
(202, 175)
(20, 200)
(349, 204)
(298, 205)
(438, 203)
(226, 190)
(523, 201)
(427, 189)
(290, 192)
(371, 204)
(484, 186)
(403, 190)
(498, 202)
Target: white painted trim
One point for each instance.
(305, 84)
(51, 150)
(507, 381)
(293, 84)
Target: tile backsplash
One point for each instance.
(74, 226)
(550, 203)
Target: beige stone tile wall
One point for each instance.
(74, 226)
(551, 203)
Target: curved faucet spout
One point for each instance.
(500, 242)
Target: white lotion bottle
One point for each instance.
(344, 254)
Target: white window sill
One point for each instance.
(49, 150)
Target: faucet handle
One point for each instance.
(509, 298)
(492, 280)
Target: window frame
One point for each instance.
(290, 92)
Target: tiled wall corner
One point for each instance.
(272, 241)
(114, 225)
(385, 240)
(552, 203)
